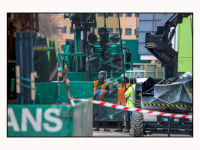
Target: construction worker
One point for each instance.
(122, 101)
(60, 74)
(130, 94)
(101, 88)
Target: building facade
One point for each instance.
(49, 26)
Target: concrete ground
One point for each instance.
(147, 117)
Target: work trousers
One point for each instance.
(104, 124)
(130, 114)
(97, 110)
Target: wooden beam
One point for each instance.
(33, 86)
(23, 22)
(31, 21)
(18, 22)
(145, 68)
(18, 88)
(36, 22)
(12, 16)
(11, 20)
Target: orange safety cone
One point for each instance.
(66, 67)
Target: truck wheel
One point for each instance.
(137, 124)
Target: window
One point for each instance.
(62, 48)
(98, 30)
(128, 14)
(110, 30)
(110, 14)
(117, 31)
(64, 30)
(100, 15)
(120, 14)
(128, 31)
(72, 31)
(136, 14)
(136, 32)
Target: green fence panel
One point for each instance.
(50, 120)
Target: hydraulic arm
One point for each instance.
(159, 43)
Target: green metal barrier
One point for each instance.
(54, 92)
(80, 76)
(50, 120)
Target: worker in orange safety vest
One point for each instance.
(121, 89)
(101, 88)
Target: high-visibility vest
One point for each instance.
(121, 92)
(66, 67)
(130, 94)
(67, 80)
(103, 87)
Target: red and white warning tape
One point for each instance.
(134, 109)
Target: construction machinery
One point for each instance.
(171, 94)
(96, 46)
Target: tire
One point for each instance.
(137, 124)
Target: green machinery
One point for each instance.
(49, 113)
(97, 45)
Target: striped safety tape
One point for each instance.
(169, 105)
(106, 104)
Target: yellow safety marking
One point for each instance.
(150, 45)
(41, 47)
(172, 105)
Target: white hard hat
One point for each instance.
(102, 72)
(125, 75)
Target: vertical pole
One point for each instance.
(33, 86)
(57, 35)
(17, 79)
(111, 68)
(130, 76)
(169, 127)
(156, 71)
(121, 48)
